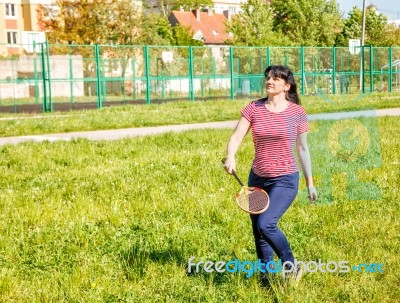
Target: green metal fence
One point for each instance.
(57, 77)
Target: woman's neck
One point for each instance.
(276, 99)
(276, 103)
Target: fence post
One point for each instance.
(362, 70)
(232, 92)
(191, 86)
(98, 75)
(371, 70)
(44, 72)
(390, 69)
(334, 70)
(302, 70)
(45, 58)
(147, 73)
(48, 76)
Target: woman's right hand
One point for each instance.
(230, 165)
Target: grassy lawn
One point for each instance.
(117, 221)
(174, 113)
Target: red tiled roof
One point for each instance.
(211, 26)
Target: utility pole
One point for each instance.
(362, 45)
(363, 22)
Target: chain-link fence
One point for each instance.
(57, 77)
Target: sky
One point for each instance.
(391, 8)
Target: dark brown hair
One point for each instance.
(283, 72)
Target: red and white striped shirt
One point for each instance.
(274, 137)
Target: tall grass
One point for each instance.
(174, 113)
(117, 221)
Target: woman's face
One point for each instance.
(275, 85)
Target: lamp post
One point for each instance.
(363, 22)
(362, 45)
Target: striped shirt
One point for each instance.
(274, 137)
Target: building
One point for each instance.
(206, 26)
(396, 22)
(19, 25)
(233, 6)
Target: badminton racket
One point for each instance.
(252, 200)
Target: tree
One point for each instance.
(183, 36)
(156, 30)
(93, 22)
(166, 6)
(192, 4)
(162, 6)
(393, 35)
(307, 22)
(68, 24)
(123, 22)
(88, 22)
(160, 32)
(254, 26)
(376, 28)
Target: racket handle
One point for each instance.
(234, 174)
(237, 178)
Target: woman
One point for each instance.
(277, 123)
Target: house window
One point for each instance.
(11, 10)
(233, 10)
(12, 37)
(33, 38)
(219, 9)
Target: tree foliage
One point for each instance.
(91, 22)
(111, 22)
(192, 4)
(166, 6)
(156, 30)
(160, 32)
(261, 23)
(393, 35)
(183, 36)
(307, 22)
(377, 30)
(254, 26)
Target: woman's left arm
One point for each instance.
(305, 161)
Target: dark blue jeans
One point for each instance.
(268, 237)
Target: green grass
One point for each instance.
(117, 221)
(174, 113)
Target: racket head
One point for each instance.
(253, 200)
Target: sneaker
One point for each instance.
(267, 277)
(265, 280)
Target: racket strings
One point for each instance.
(253, 201)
